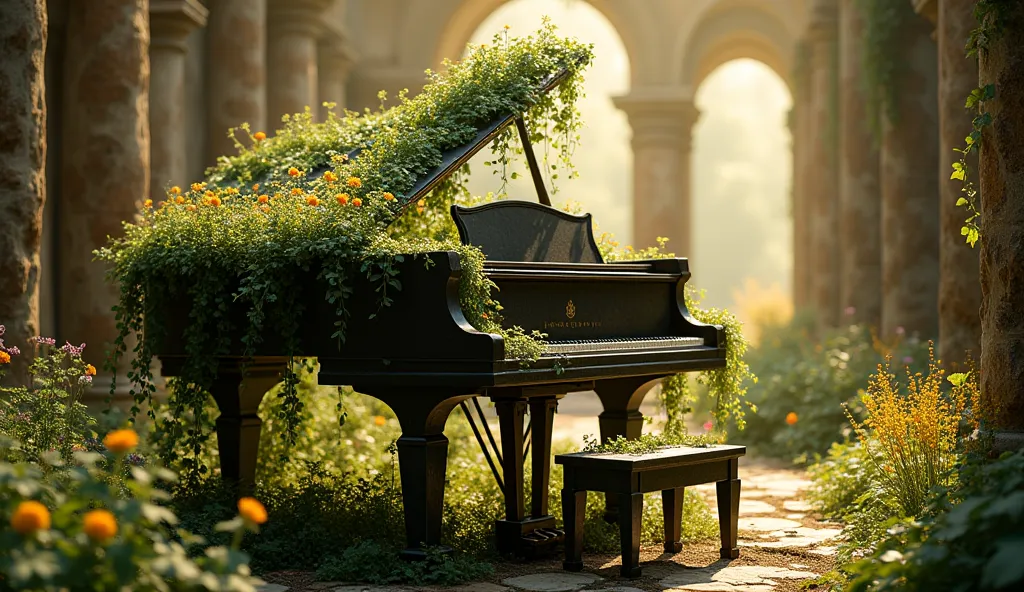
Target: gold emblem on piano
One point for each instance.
(570, 310)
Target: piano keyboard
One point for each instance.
(623, 344)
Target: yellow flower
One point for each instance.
(256, 187)
(121, 441)
(422, 203)
(294, 172)
(233, 190)
(342, 198)
(190, 208)
(252, 510)
(214, 201)
(90, 370)
(388, 196)
(379, 420)
(259, 136)
(791, 418)
(175, 190)
(198, 186)
(354, 182)
(312, 200)
(263, 199)
(209, 194)
(264, 209)
(507, 27)
(5, 358)
(29, 517)
(296, 191)
(357, 202)
(330, 177)
(99, 525)
(179, 200)
(148, 203)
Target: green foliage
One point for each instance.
(146, 552)
(968, 539)
(371, 563)
(47, 414)
(646, 443)
(813, 377)
(881, 68)
(839, 479)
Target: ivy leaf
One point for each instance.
(962, 201)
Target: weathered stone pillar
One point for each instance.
(823, 190)
(1001, 175)
(333, 63)
(662, 126)
(22, 183)
(170, 22)
(105, 165)
(293, 28)
(799, 126)
(860, 208)
(909, 178)
(237, 72)
(959, 286)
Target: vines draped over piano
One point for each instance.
(230, 255)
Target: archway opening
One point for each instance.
(604, 159)
(742, 173)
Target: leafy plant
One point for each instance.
(369, 562)
(646, 443)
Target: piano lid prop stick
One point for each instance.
(483, 446)
(487, 430)
(531, 159)
(528, 436)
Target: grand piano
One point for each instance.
(613, 328)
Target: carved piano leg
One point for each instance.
(517, 534)
(238, 428)
(423, 462)
(621, 398)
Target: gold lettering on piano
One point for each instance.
(570, 310)
(571, 324)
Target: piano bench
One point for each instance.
(628, 477)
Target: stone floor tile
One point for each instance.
(795, 516)
(797, 506)
(826, 551)
(749, 578)
(369, 588)
(271, 588)
(480, 587)
(767, 524)
(748, 506)
(554, 581)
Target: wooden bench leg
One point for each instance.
(728, 516)
(574, 509)
(672, 508)
(631, 509)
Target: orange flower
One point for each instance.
(312, 200)
(179, 200)
(198, 186)
(90, 370)
(256, 187)
(175, 190)
(233, 190)
(330, 177)
(791, 418)
(294, 172)
(342, 198)
(483, 315)
(379, 420)
(354, 182)
(121, 441)
(29, 517)
(148, 203)
(190, 208)
(388, 196)
(5, 358)
(252, 510)
(263, 199)
(357, 202)
(99, 525)
(422, 203)
(259, 136)
(296, 191)
(214, 201)
(209, 194)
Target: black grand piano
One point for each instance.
(613, 328)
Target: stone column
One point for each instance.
(22, 181)
(1001, 175)
(170, 22)
(909, 178)
(799, 124)
(236, 37)
(293, 28)
(823, 190)
(959, 286)
(860, 208)
(333, 63)
(105, 164)
(662, 125)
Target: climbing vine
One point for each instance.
(990, 15)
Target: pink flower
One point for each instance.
(900, 330)
(850, 311)
(708, 425)
(908, 360)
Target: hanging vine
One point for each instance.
(880, 67)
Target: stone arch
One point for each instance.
(734, 30)
(435, 29)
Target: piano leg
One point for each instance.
(621, 399)
(422, 461)
(517, 534)
(238, 428)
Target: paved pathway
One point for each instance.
(781, 543)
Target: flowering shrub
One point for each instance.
(47, 414)
(75, 529)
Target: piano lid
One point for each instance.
(453, 158)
